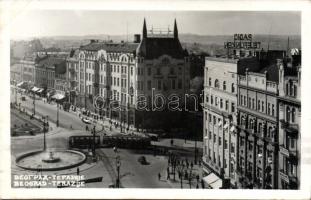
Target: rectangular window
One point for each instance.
(209, 117)
(214, 138)
(173, 84)
(210, 135)
(149, 71)
(159, 85)
(149, 85)
(227, 105)
(219, 141)
(179, 84)
(232, 107)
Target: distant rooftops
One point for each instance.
(222, 59)
(110, 46)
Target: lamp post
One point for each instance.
(180, 171)
(57, 114)
(34, 103)
(93, 149)
(45, 125)
(118, 164)
(15, 83)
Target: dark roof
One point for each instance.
(51, 61)
(154, 47)
(111, 47)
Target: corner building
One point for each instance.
(220, 121)
(258, 120)
(289, 122)
(123, 72)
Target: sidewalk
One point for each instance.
(196, 170)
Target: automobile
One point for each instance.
(86, 120)
(142, 160)
(153, 137)
(23, 98)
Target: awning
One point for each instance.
(40, 90)
(35, 89)
(20, 84)
(213, 181)
(58, 96)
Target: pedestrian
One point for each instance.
(191, 165)
(197, 186)
(159, 176)
(197, 177)
(78, 171)
(172, 142)
(202, 184)
(168, 175)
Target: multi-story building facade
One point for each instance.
(45, 71)
(258, 120)
(28, 68)
(121, 73)
(16, 73)
(219, 135)
(72, 68)
(289, 107)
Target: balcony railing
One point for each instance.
(284, 176)
(290, 127)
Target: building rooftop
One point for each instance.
(221, 59)
(111, 47)
(154, 47)
(51, 61)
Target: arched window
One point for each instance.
(269, 131)
(251, 124)
(224, 86)
(232, 88)
(295, 91)
(293, 114)
(291, 88)
(212, 99)
(216, 84)
(260, 127)
(287, 114)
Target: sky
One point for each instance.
(38, 23)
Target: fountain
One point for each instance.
(50, 159)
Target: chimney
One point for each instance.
(136, 38)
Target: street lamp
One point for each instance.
(45, 125)
(180, 171)
(118, 164)
(34, 103)
(57, 113)
(93, 149)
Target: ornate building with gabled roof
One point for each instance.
(120, 74)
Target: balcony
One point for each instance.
(71, 69)
(158, 76)
(284, 176)
(292, 129)
(291, 154)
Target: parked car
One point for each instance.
(153, 137)
(86, 120)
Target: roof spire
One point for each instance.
(175, 29)
(144, 29)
